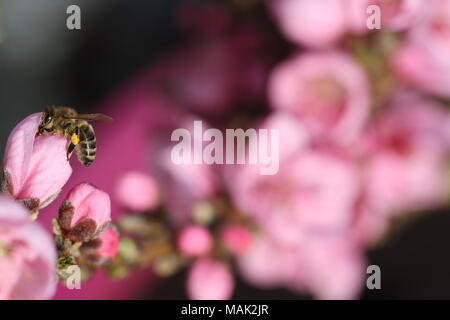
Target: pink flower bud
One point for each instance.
(236, 238)
(85, 214)
(27, 255)
(137, 191)
(310, 22)
(194, 240)
(210, 280)
(109, 243)
(35, 168)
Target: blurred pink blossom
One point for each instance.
(406, 168)
(322, 23)
(334, 267)
(314, 190)
(368, 226)
(137, 191)
(328, 91)
(423, 58)
(109, 243)
(236, 238)
(36, 168)
(27, 255)
(268, 264)
(194, 240)
(327, 266)
(86, 213)
(209, 279)
(315, 23)
(182, 185)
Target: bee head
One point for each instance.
(47, 122)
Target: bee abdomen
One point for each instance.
(87, 149)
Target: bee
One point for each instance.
(72, 125)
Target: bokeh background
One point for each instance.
(43, 63)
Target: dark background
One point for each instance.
(43, 63)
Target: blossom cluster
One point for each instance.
(364, 139)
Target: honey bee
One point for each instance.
(70, 124)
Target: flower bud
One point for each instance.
(137, 191)
(35, 168)
(27, 255)
(85, 214)
(98, 251)
(194, 240)
(210, 280)
(109, 243)
(235, 238)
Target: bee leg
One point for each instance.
(70, 150)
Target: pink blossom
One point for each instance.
(27, 255)
(210, 279)
(334, 267)
(182, 185)
(313, 190)
(194, 240)
(137, 191)
(86, 213)
(423, 59)
(406, 170)
(327, 266)
(109, 243)
(328, 91)
(322, 23)
(36, 168)
(315, 23)
(395, 15)
(368, 226)
(236, 238)
(269, 264)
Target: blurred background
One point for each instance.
(43, 63)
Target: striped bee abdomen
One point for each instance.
(87, 148)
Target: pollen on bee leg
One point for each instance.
(75, 139)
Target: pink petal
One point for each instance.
(49, 169)
(11, 212)
(19, 149)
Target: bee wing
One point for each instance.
(93, 117)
